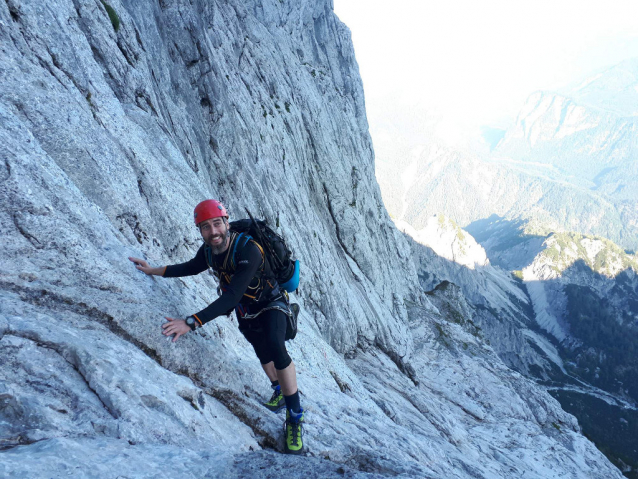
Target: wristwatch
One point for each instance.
(191, 322)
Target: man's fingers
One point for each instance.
(176, 328)
(170, 327)
(140, 264)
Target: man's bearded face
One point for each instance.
(215, 232)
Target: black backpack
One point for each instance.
(278, 255)
(291, 324)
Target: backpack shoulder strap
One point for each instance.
(261, 250)
(240, 243)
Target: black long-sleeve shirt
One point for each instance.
(248, 262)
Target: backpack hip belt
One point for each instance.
(280, 304)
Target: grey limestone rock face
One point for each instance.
(105, 459)
(67, 376)
(111, 129)
(138, 125)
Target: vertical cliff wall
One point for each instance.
(259, 105)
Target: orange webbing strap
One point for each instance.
(263, 256)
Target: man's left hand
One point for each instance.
(178, 327)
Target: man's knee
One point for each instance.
(264, 360)
(272, 350)
(263, 354)
(282, 360)
(278, 352)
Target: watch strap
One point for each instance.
(191, 322)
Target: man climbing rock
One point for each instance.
(247, 285)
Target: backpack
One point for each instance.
(276, 251)
(291, 322)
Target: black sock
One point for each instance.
(292, 402)
(274, 384)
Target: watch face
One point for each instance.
(190, 320)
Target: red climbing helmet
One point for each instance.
(208, 209)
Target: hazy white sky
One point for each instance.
(479, 60)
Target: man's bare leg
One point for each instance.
(287, 379)
(270, 371)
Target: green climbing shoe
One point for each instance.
(293, 432)
(276, 402)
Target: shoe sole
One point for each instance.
(280, 408)
(289, 451)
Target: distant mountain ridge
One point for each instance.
(587, 131)
(602, 256)
(570, 163)
(579, 140)
(469, 188)
(613, 89)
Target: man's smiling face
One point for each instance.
(215, 233)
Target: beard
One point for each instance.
(221, 247)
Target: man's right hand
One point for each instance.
(144, 267)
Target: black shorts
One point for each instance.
(267, 335)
